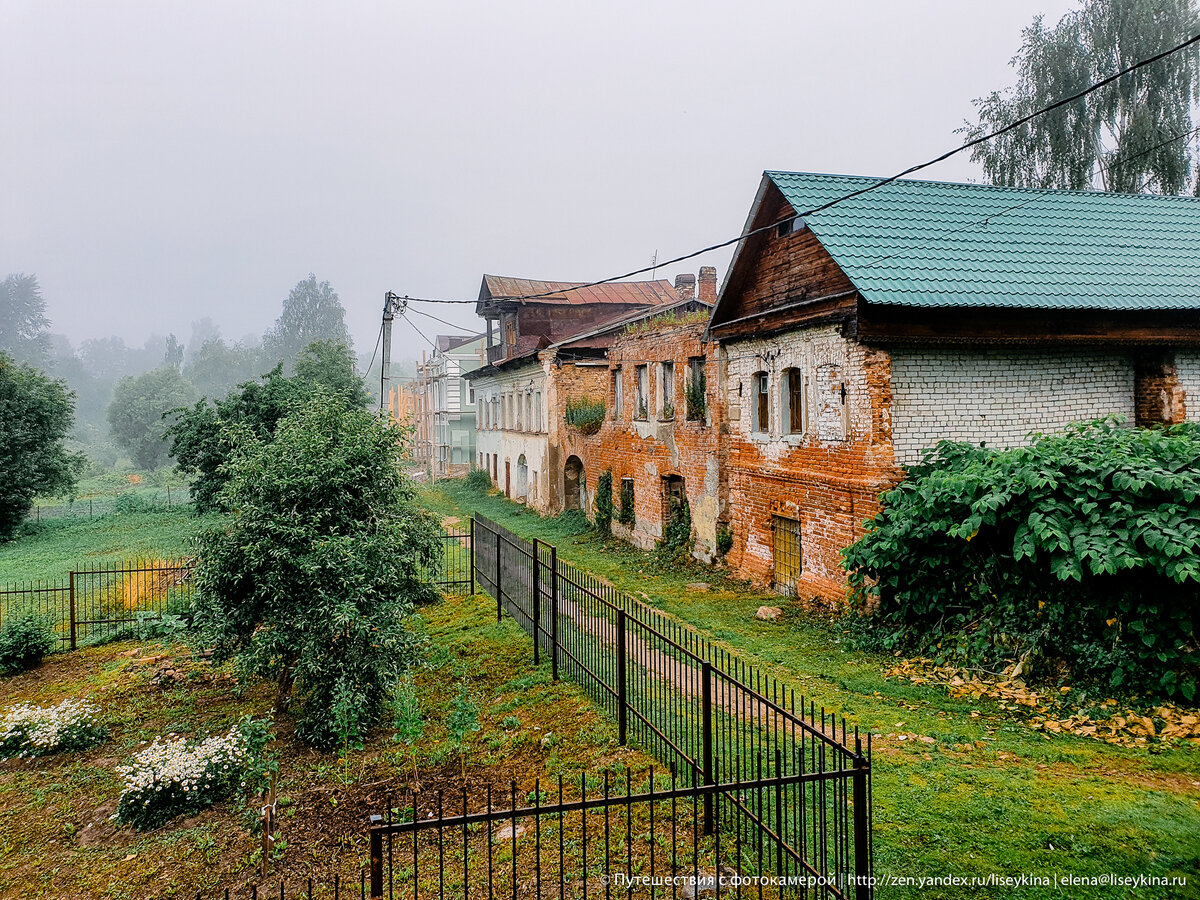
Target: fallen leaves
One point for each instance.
(1047, 711)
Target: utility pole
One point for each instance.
(392, 304)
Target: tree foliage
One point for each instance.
(311, 312)
(1133, 134)
(205, 436)
(135, 415)
(1083, 548)
(313, 579)
(35, 418)
(23, 321)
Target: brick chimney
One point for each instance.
(685, 286)
(708, 284)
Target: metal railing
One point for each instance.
(712, 718)
(100, 601)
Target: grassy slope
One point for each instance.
(55, 840)
(1022, 802)
(52, 549)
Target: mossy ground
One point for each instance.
(985, 794)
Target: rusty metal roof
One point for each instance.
(639, 293)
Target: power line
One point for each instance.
(974, 142)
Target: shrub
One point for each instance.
(625, 514)
(24, 643)
(696, 394)
(479, 481)
(604, 502)
(1082, 548)
(313, 578)
(677, 540)
(585, 415)
(668, 412)
(175, 777)
(463, 721)
(724, 539)
(28, 731)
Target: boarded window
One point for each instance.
(793, 401)
(786, 550)
(831, 408)
(643, 392)
(617, 393)
(762, 403)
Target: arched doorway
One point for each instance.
(522, 478)
(574, 484)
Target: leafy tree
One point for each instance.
(311, 312)
(331, 365)
(173, 354)
(135, 415)
(23, 322)
(313, 578)
(215, 367)
(1083, 547)
(1126, 131)
(35, 417)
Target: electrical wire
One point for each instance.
(974, 142)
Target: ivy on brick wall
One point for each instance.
(604, 502)
(1078, 554)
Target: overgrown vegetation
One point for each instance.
(28, 731)
(724, 539)
(604, 502)
(313, 580)
(668, 320)
(24, 642)
(479, 481)
(1079, 553)
(625, 515)
(585, 414)
(677, 540)
(696, 393)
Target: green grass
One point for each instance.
(53, 548)
(989, 795)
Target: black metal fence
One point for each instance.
(453, 569)
(99, 602)
(160, 498)
(768, 768)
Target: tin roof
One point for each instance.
(641, 293)
(941, 244)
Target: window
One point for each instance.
(789, 226)
(793, 401)
(616, 381)
(761, 404)
(643, 392)
(697, 390)
(529, 412)
(830, 403)
(537, 417)
(786, 551)
(666, 409)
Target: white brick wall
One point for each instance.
(1000, 397)
(1188, 366)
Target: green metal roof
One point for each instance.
(929, 243)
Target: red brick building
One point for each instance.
(855, 337)
(660, 437)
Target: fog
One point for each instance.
(169, 162)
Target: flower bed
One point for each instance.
(28, 731)
(178, 776)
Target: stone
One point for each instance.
(505, 832)
(768, 613)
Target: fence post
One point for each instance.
(472, 556)
(554, 612)
(707, 759)
(537, 606)
(862, 833)
(622, 697)
(499, 593)
(72, 610)
(376, 858)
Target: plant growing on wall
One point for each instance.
(668, 412)
(697, 397)
(1082, 548)
(677, 540)
(625, 513)
(604, 502)
(585, 414)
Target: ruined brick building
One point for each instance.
(842, 344)
(856, 337)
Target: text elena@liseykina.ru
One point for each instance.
(1056, 880)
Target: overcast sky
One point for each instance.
(163, 161)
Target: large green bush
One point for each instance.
(585, 414)
(313, 579)
(25, 640)
(1080, 552)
